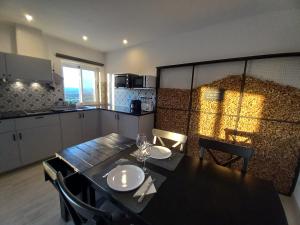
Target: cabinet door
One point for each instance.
(39, 143)
(71, 126)
(9, 153)
(109, 122)
(128, 125)
(2, 65)
(28, 68)
(90, 125)
(146, 124)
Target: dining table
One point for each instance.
(195, 192)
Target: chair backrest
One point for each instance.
(179, 139)
(80, 212)
(238, 151)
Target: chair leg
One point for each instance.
(63, 210)
(91, 196)
(201, 152)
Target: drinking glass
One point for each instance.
(141, 141)
(146, 155)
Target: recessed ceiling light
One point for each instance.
(85, 38)
(125, 42)
(28, 17)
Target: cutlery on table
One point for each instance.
(105, 175)
(141, 198)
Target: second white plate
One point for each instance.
(159, 152)
(125, 178)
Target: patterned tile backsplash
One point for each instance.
(123, 96)
(18, 96)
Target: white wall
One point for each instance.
(56, 45)
(30, 42)
(23, 40)
(268, 33)
(7, 37)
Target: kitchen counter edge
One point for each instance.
(76, 110)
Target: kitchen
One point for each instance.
(68, 88)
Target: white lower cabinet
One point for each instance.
(78, 127)
(71, 128)
(9, 152)
(39, 137)
(30, 139)
(109, 122)
(90, 125)
(128, 125)
(39, 143)
(125, 124)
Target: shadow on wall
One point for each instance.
(265, 117)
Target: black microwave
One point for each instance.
(130, 80)
(124, 80)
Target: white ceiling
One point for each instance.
(107, 22)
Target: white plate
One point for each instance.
(125, 178)
(159, 152)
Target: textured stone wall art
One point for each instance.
(264, 116)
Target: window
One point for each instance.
(80, 84)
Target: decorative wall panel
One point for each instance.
(173, 98)
(253, 112)
(229, 105)
(172, 120)
(269, 100)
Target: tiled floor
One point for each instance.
(25, 199)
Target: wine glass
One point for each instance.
(146, 155)
(141, 141)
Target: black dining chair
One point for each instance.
(239, 152)
(105, 213)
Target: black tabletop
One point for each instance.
(199, 192)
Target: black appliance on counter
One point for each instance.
(135, 106)
(129, 80)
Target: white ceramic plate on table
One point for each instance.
(159, 152)
(125, 178)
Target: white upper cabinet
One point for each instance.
(28, 68)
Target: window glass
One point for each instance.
(88, 86)
(80, 84)
(72, 84)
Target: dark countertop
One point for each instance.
(118, 109)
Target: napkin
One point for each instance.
(144, 186)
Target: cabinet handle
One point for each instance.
(79, 115)
(14, 137)
(82, 115)
(39, 117)
(118, 116)
(20, 136)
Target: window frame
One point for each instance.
(82, 66)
